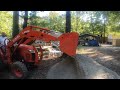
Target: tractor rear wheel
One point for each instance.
(19, 70)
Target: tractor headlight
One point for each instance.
(31, 51)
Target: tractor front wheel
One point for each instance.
(19, 70)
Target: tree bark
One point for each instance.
(77, 20)
(104, 32)
(68, 21)
(25, 19)
(15, 23)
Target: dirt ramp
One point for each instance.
(68, 68)
(82, 67)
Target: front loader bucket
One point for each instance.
(68, 43)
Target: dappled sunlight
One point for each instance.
(90, 52)
(117, 50)
(95, 70)
(93, 55)
(90, 49)
(85, 51)
(100, 74)
(107, 58)
(96, 54)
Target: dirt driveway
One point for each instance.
(35, 73)
(107, 56)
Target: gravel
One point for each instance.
(107, 56)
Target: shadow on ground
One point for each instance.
(107, 56)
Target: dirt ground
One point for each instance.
(35, 73)
(42, 70)
(105, 55)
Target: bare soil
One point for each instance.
(34, 73)
(105, 55)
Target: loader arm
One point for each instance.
(68, 41)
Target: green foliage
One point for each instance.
(54, 21)
(6, 22)
(76, 24)
(114, 22)
(94, 22)
(97, 22)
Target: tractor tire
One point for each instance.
(19, 70)
(31, 66)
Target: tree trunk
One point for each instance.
(92, 24)
(68, 21)
(77, 19)
(15, 23)
(25, 19)
(104, 32)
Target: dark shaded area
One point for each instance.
(34, 73)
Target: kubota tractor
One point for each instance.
(19, 52)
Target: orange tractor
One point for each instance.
(19, 52)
